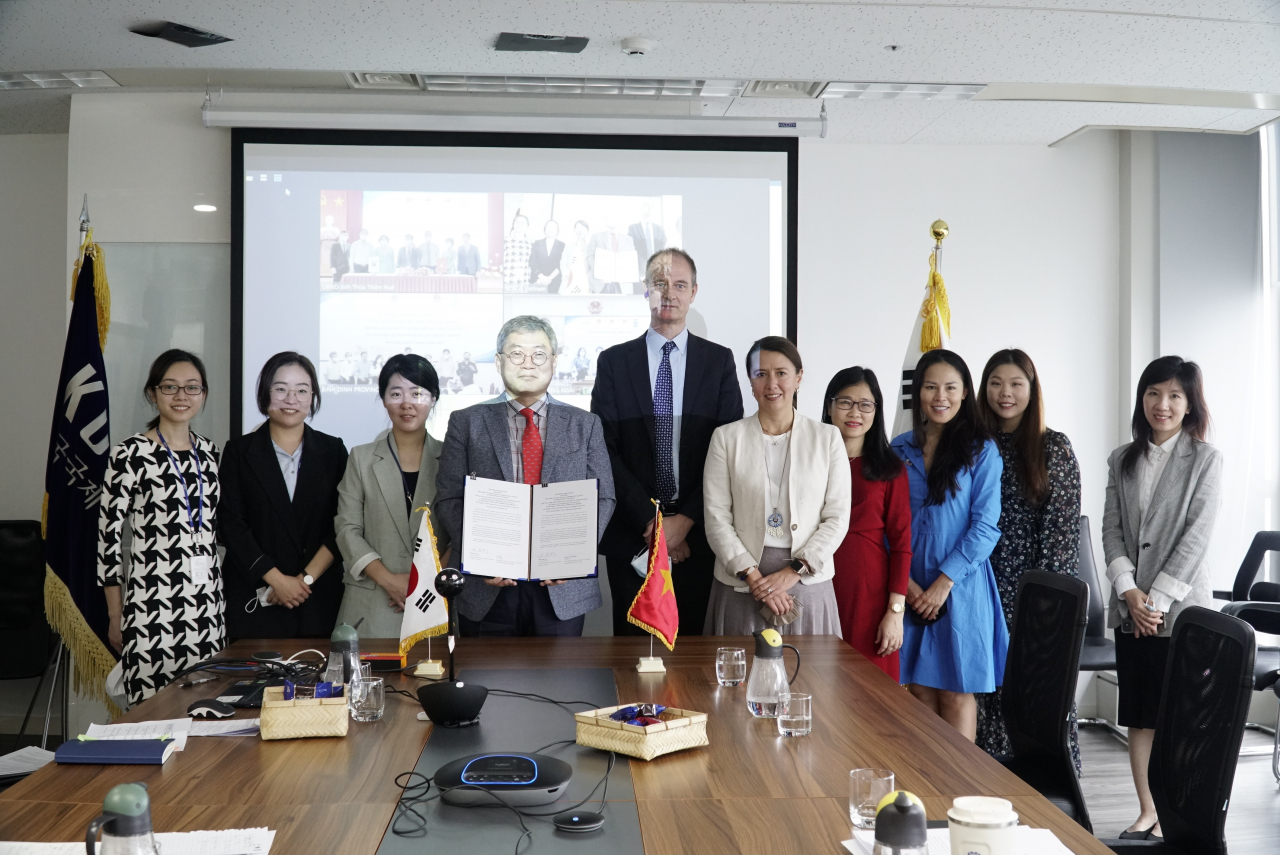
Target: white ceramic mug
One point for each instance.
(982, 826)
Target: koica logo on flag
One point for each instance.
(426, 613)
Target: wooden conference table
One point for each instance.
(750, 791)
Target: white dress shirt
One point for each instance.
(653, 344)
(289, 464)
(1150, 467)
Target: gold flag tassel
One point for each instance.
(92, 662)
(936, 310)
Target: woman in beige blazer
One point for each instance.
(1163, 494)
(776, 497)
(380, 499)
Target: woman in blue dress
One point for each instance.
(955, 639)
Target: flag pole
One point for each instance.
(84, 218)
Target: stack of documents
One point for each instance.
(23, 762)
(174, 728)
(236, 841)
(1030, 841)
(229, 727)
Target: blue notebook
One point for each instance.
(115, 752)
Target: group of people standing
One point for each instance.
(909, 549)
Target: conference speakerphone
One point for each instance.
(519, 780)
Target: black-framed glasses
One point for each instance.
(171, 389)
(846, 404)
(518, 357)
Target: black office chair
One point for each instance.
(30, 640)
(1099, 652)
(1049, 619)
(1208, 683)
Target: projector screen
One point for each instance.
(350, 248)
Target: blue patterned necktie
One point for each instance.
(663, 425)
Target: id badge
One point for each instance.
(199, 567)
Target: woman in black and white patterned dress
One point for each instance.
(166, 611)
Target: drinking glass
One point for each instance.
(795, 714)
(367, 699)
(866, 788)
(731, 666)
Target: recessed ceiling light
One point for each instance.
(205, 209)
(56, 80)
(902, 91)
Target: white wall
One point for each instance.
(34, 288)
(1032, 262)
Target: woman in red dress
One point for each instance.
(874, 562)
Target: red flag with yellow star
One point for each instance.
(654, 608)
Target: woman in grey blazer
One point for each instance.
(1163, 493)
(387, 484)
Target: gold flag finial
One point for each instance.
(938, 230)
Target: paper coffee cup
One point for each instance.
(981, 825)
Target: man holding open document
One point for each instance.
(524, 490)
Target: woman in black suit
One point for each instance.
(280, 495)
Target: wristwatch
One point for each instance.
(799, 566)
(897, 608)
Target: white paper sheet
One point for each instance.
(239, 841)
(495, 528)
(616, 266)
(226, 727)
(565, 534)
(175, 728)
(24, 761)
(1030, 841)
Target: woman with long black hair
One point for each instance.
(874, 562)
(1039, 504)
(955, 640)
(1163, 494)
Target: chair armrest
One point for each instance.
(1263, 617)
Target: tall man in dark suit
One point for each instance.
(468, 257)
(660, 397)
(528, 437)
(340, 257)
(647, 235)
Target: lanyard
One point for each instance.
(404, 480)
(196, 522)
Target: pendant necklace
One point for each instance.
(775, 519)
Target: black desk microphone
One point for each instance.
(452, 703)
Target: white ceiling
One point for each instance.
(1231, 45)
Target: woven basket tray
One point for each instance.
(680, 729)
(295, 719)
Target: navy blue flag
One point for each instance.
(79, 444)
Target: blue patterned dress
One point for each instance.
(964, 650)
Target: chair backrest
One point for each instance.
(1263, 542)
(22, 619)
(1089, 573)
(1208, 683)
(1042, 667)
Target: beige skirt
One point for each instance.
(732, 613)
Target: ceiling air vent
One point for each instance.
(784, 89)
(530, 41)
(383, 80)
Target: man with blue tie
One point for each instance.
(659, 398)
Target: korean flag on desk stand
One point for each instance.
(426, 613)
(654, 608)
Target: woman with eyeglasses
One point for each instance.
(165, 604)
(776, 503)
(279, 498)
(387, 487)
(1039, 505)
(955, 640)
(874, 561)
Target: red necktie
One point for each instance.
(531, 449)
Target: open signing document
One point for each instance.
(530, 531)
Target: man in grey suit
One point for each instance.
(509, 438)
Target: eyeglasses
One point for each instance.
(171, 389)
(518, 357)
(846, 404)
(414, 396)
(280, 393)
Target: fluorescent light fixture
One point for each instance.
(206, 209)
(589, 86)
(901, 91)
(783, 89)
(56, 80)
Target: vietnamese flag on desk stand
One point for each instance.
(654, 608)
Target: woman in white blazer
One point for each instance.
(776, 497)
(1163, 494)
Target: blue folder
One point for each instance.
(115, 752)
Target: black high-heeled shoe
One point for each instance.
(1144, 834)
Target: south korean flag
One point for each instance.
(426, 613)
